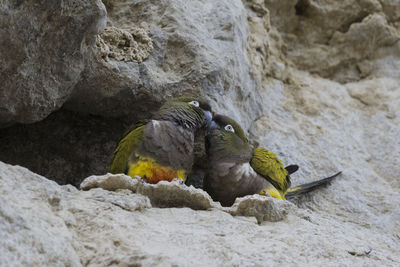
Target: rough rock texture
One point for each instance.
(42, 51)
(42, 223)
(174, 194)
(195, 49)
(162, 194)
(133, 44)
(317, 82)
(262, 208)
(198, 48)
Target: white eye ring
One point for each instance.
(229, 128)
(194, 103)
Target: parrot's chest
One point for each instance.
(168, 145)
(165, 153)
(228, 181)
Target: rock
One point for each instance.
(391, 9)
(262, 208)
(316, 82)
(163, 194)
(30, 231)
(311, 32)
(110, 182)
(65, 147)
(42, 223)
(122, 198)
(42, 52)
(133, 44)
(187, 50)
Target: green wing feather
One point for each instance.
(126, 146)
(268, 165)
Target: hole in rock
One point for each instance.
(302, 7)
(65, 147)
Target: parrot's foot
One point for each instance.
(265, 193)
(140, 179)
(178, 180)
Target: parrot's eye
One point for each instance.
(229, 128)
(194, 103)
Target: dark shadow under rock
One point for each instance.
(65, 147)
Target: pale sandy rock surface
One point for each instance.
(170, 195)
(64, 226)
(132, 44)
(162, 194)
(43, 223)
(317, 82)
(197, 48)
(42, 52)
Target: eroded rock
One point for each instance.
(329, 39)
(43, 223)
(42, 53)
(110, 182)
(261, 207)
(168, 195)
(163, 194)
(196, 51)
(281, 67)
(122, 198)
(132, 44)
(30, 231)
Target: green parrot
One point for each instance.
(163, 148)
(235, 169)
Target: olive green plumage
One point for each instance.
(165, 142)
(180, 111)
(268, 165)
(236, 169)
(227, 144)
(128, 143)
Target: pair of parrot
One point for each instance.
(167, 146)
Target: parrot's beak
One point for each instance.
(208, 115)
(211, 125)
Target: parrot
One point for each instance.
(235, 169)
(163, 148)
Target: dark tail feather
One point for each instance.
(305, 188)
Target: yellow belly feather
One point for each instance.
(153, 172)
(273, 192)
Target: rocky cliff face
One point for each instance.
(317, 82)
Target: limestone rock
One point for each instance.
(131, 44)
(197, 48)
(261, 207)
(166, 194)
(163, 194)
(316, 82)
(110, 182)
(391, 9)
(30, 232)
(122, 198)
(330, 38)
(43, 223)
(42, 52)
